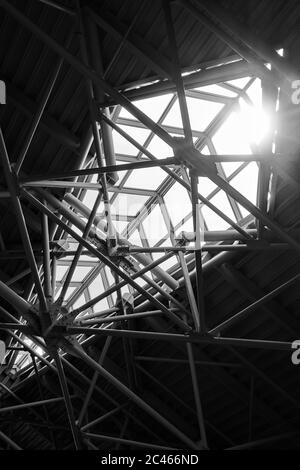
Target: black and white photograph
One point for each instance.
(149, 230)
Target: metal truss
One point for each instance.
(91, 277)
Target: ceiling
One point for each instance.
(78, 77)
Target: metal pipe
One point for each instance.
(265, 441)
(67, 399)
(251, 41)
(243, 313)
(59, 7)
(30, 404)
(39, 112)
(252, 246)
(93, 382)
(107, 261)
(192, 338)
(46, 258)
(143, 259)
(9, 441)
(206, 76)
(21, 221)
(95, 60)
(23, 307)
(199, 408)
(172, 360)
(135, 398)
(201, 14)
(86, 71)
(128, 442)
(102, 418)
(177, 178)
(117, 318)
(100, 171)
(79, 249)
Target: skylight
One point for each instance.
(148, 207)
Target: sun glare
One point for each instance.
(256, 121)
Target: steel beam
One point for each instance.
(253, 306)
(5, 409)
(21, 221)
(136, 399)
(129, 442)
(9, 441)
(174, 337)
(41, 107)
(106, 261)
(138, 45)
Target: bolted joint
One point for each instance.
(15, 180)
(199, 165)
(127, 301)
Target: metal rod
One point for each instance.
(258, 303)
(23, 307)
(79, 249)
(46, 257)
(274, 226)
(253, 246)
(177, 178)
(193, 338)
(9, 441)
(135, 398)
(67, 400)
(102, 418)
(107, 261)
(30, 404)
(93, 381)
(118, 318)
(39, 112)
(59, 7)
(185, 361)
(21, 221)
(85, 70)
(141, 258)
(129, 442)
(46, 414)
(93, 42)
(19, 400)
(101, 171)
(265, 441)
(199, 408)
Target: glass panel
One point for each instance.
(177, 202)
(154, 226)
(79, 302)
(213, 221)
(128, 204)
(217, 90)
(80, 273)
(239, 82)
(146, 178)
(202, 112)
(135, 238)
(60, 272)
(96, 287)
(123, 146)
(159, 148)
(246, 183)
(153, 107)
(205, 186)
(233, 136)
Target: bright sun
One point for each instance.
(256, 121)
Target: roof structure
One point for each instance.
(149, 224)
